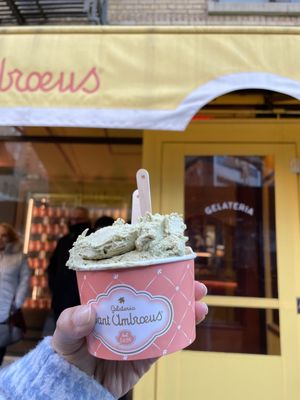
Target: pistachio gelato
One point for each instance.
(154, 237)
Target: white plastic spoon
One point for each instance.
(135, 208)
(143, 184)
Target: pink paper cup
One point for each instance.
(142, 312)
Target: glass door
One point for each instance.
(240, 204)
(229, 209)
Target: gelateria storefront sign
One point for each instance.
(46, 81)
(124, 77)
(228, 205)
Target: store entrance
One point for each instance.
(240, 204)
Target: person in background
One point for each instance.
(61, 367)
(14, 275)
(103, 221)
(62, 280)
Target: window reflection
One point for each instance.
(230, 217)
(239, 330)
(41, 182)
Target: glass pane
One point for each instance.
(41, 183)
(239, 330)
(230, 217)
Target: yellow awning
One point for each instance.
(147, 78)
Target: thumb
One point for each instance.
(72, 326)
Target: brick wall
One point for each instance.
(156, 12)
(186, 12)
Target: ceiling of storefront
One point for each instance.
(104, 169)
(88, 162)
(251, 104)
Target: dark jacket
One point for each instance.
(62, 280)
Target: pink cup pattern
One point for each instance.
(142, 312)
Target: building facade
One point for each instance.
(203, 12)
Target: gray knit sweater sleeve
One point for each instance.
(43, 375)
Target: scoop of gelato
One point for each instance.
(107, 242)
(154, 236)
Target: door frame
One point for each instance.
(211, 134)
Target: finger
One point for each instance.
(201, 311)
(72, 326)
(200, 290)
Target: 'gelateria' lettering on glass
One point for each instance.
(228, 205)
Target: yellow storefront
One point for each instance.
(236, 182)
(230, 366)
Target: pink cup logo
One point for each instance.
(129, 321)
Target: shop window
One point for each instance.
(41, 182)
(230, 217)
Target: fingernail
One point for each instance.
(82, 315)
(201, 320)
(205, 312)
(204, 288)
(205, 308)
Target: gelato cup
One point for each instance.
(143, 311)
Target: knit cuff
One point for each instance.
(44, 375)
